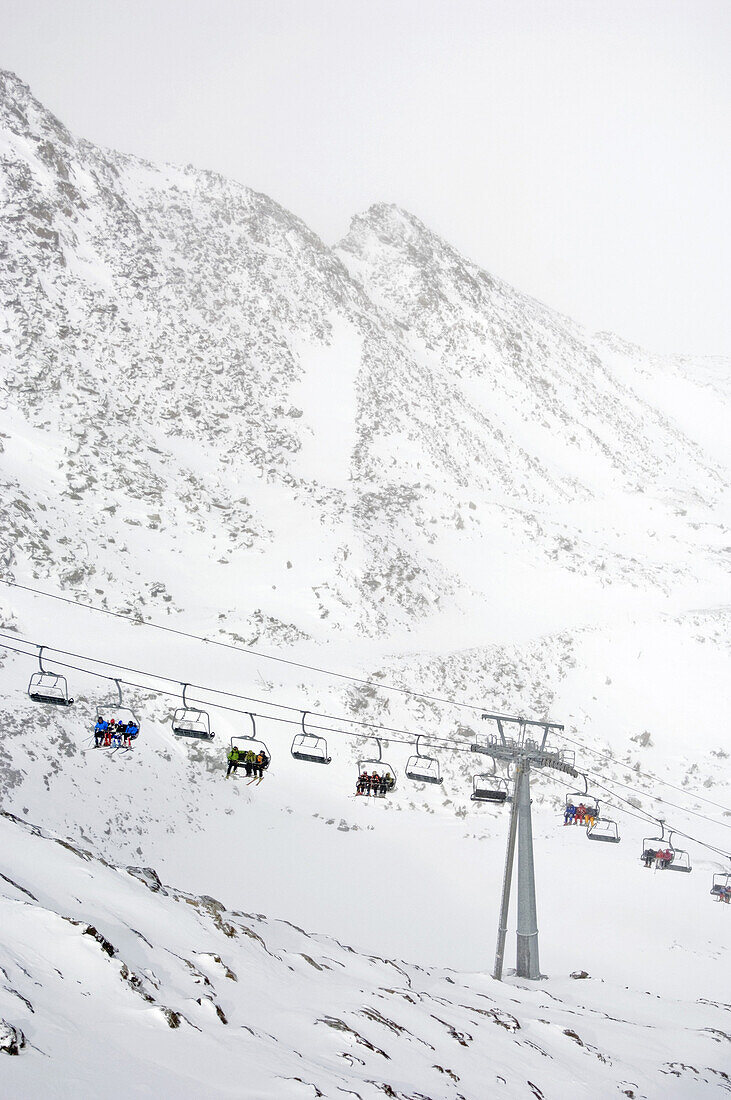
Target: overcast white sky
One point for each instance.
(580, 149)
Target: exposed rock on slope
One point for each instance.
(139, 987)
(188, 366)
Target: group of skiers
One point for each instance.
(723, 893)
(255, 763)
(375, 784)
(580, 815)
(662, 858)
(113, 734)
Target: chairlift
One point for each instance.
(379, 766)
(489, 788)
(578, 798)
(677, 860)
(191, 722)
(310, 747)
(423, 769)
(603, 828)
(47, 687)
(680, 859)
(721, 887)
(114, 711)
(249, 742)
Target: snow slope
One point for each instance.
(376, 458)
(141, 990)
(354, 430)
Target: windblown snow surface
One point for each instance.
(380, 459)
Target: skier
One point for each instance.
(580, 814)
(233, 760)
(648, 856)
(383, 786)
(249, 762)
(375, 783)
(262, 761)
(589, 817)
(360, 786)
(99, 730)
(132, 730)
(569, 814)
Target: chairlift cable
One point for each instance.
(245, 649)
(408, 739)
(399, 733)
(645, 775)
(215, 691)
(448, 743)
(327, 672)
(643, 816)
(660, 800)
(655, 820)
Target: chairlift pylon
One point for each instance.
(309, 747)
(421, 768)
(191, 722)
(48, 687)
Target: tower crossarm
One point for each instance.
(497, 751)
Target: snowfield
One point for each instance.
(141, 989)
(379, 459)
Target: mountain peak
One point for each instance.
(389, 222)
(10, 82)
(23, 114)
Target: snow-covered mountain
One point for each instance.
(378, 458)
(170, 993)
(355, 429)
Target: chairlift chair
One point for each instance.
(380, 766)
(309, 747)
(721, 887)
(603, 828)
(590, 802)
(679, 859)
(47, 687)
(249, 742)
(423, 769)
(191, 722)
(652, 844)
(114, 709)
(489, 788)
